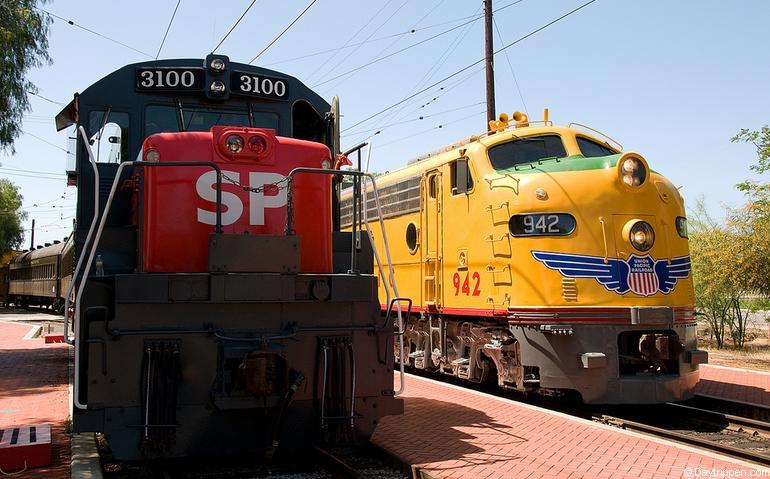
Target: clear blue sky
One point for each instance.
(673, 80)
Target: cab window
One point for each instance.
(590, 148)
(526, 150)
(109, 135)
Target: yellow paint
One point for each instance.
(467, 258)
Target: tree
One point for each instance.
(11, 217)
(24, 45)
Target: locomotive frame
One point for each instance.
(515, 247)
(255, 349)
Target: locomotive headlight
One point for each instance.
(234, 143)
(642, 236)
(217, 87)
(218, 65)
(633, 170)
(152, 156)
(258, 144)
(681, 226)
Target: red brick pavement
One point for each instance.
(34, 388)
(450, 432)
(742, 385)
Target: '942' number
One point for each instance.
(463, 285)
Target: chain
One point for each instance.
(279, 185)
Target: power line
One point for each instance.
(93, 32)
(510, 66)
(437, 127)
(168, 28)
(347, 42)
(422, 117)
(471, 65)
(44, 98)
(377, 60)
(334, 68)
(234, 25)
(45, 141)
(284, 31)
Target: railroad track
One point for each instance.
(722, 430)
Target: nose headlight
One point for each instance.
(633, 171)
(642, 236)
(234, 143)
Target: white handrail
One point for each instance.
(391, 271)
(92, 160)
(102, 221)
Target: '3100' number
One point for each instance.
(464, 287)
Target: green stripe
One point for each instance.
(568, 163)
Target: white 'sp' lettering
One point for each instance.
(232, 206)
(258, 201)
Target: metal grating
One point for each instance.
(397, 199)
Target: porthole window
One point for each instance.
(411, 238)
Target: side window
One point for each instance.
(109, 135)
(459, 169)
(591, 149)
(526, 150)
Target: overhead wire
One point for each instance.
(371, 19)
(44, 98)
(284, 31)
(510, 66)
(431, 72)
(46, 141)
(467, 67)
(163, 42)
(70, 22)
(234, 25)
(437, 127)
(409, 47)
(391, 44)
(422, 117)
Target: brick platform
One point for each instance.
(732, 384)
(451, 432)
(34, 389)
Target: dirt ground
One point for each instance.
(755, 354)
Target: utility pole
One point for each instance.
(32, 237)
(490, 63)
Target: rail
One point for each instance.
(365, 221)
(102, 221)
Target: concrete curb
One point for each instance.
(85, 457)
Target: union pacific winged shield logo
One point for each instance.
(641, 275)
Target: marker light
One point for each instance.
(642, 236)
(218, 65)
(258, 144)
(217, 87)
(634, 172)
(234, 144)
(681, 226)
(326, 164)
(152, 156)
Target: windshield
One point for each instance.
(526, 150)
(162, 118)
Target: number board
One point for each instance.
(259, 86)
(542, 224)
(169, 79)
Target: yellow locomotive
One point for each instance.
(546, 259)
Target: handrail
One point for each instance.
(100, 229)
(71, 288)
(369, 176)
(574, 123)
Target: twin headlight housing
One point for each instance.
(632, 170)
